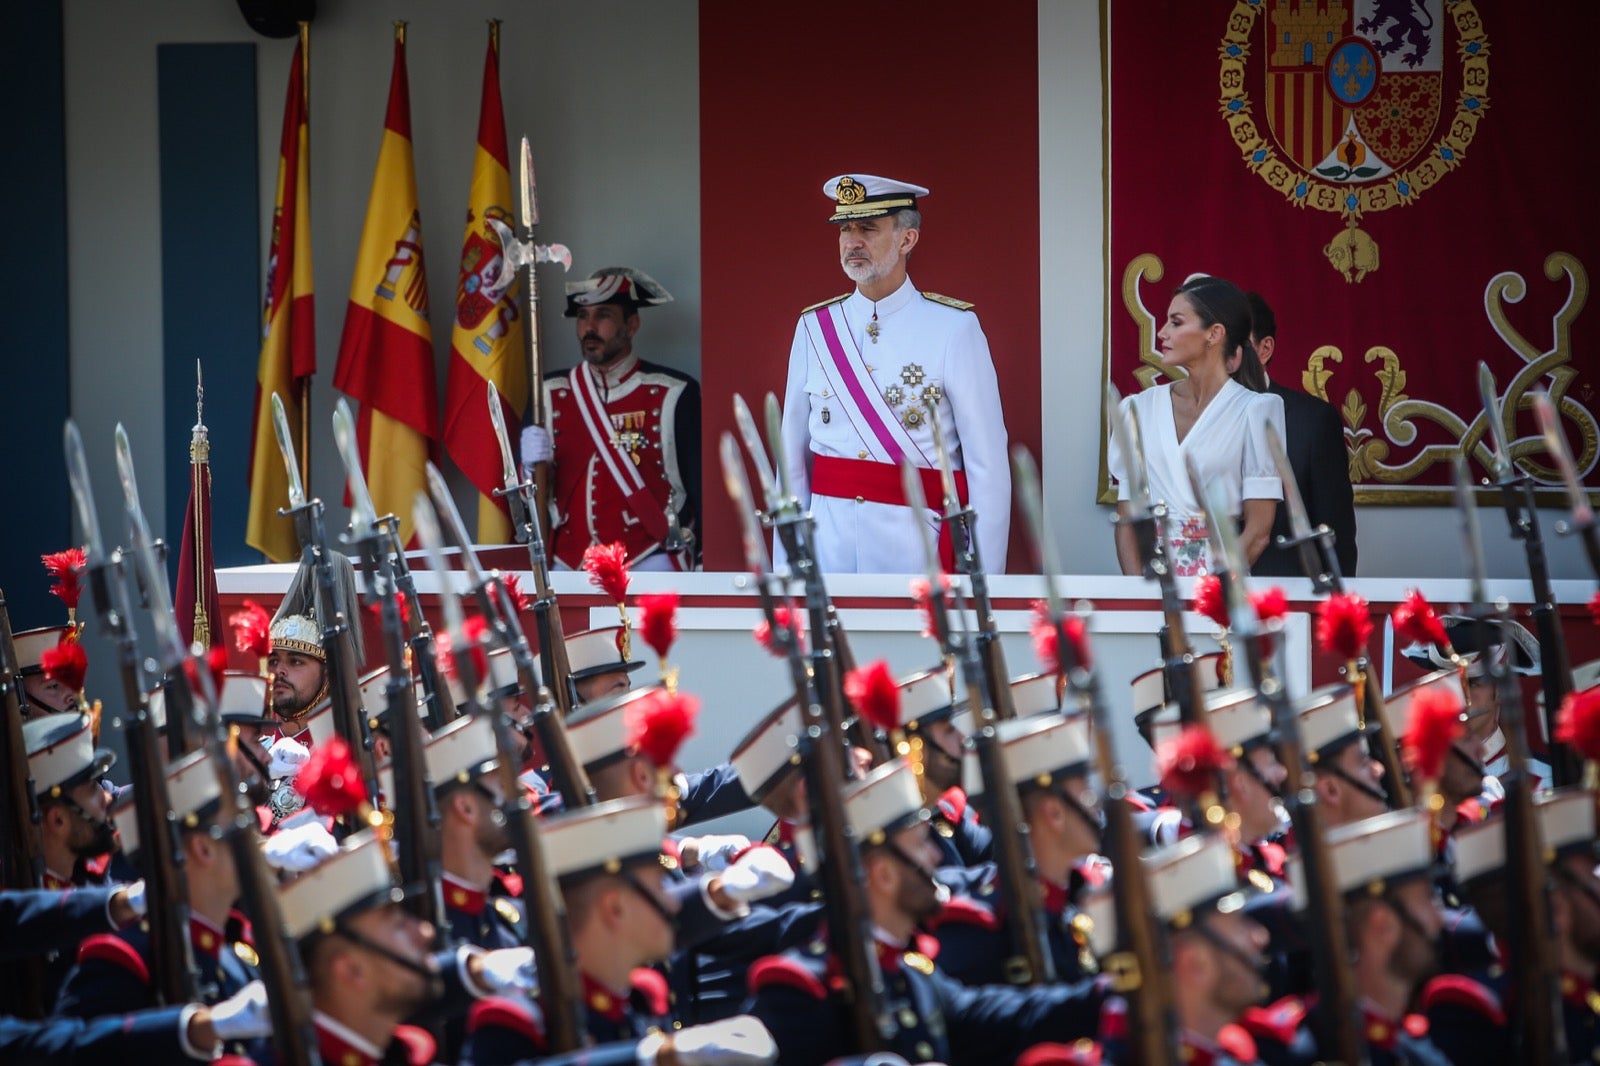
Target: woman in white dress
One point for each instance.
(1209, 418)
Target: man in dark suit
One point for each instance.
(1317, 453)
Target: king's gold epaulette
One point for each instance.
(825, 303)
(948, 301)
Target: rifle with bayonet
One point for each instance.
(823, 765)
(173, 974)
(1537, 1030)
(1029, 961)
(21, 849)
(1335, 1019)
(1321, 564)
(1581, 521)
(336, 617)
(1516, 494)
(416, 816)
(1148, 519)
(829, 650)
(521, 256)
(519, 494)
(1139, 966)
(567, 775)
(560, 992)
(962, 521)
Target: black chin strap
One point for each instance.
(1227, 947)
(894, 849)
(649, 897)
(1371, 791)
(367, 943)
(1407, 919)
(1248, 766)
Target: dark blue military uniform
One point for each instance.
(149, 1036)
(796, 995)
(1468, 1016)
(1284, 1037)
(710, 981)
(38, 921)
(974, 944)
(503, 1031)
(491, 920)
(113, 974)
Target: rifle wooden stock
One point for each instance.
(1538, 1032)
(282, 971)
(1373, 709)
(416, 817)
(553, 664)
(1335, 1021)
(21, 851)
(1139, 965)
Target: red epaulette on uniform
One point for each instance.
(1277, 1021)
(652, 986)
(104, 947)
(953, 804)
(1415, 1024)
(1274, 859)
(1459, 990)
(419, 1045)
(782, 970)
(1079, 1053)
(1236, 1041)
(510, 883)
(963, 910)
(499, 1012)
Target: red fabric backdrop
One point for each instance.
(925, 92)
(1214, 168)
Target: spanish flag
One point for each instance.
(288, 346)
(386, 351)
(486, 343)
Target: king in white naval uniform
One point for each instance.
(862, 371)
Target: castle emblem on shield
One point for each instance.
(1352, 98)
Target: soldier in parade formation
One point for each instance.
(464, 852)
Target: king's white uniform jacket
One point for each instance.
(924, 343)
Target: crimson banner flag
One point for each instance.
(1408, 184)
(486, 342)
(289, 339)
(386, 350)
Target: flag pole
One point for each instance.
(199, 470)
(304, 451)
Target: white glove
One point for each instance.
(508, 971)
(738, 1041)
(760, 872)
(243, 1015)
(714, 852)
(135, 896)
(299, 849)
(285, 758)
(536, 447)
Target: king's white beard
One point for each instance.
(869, 272)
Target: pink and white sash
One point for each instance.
(858, 395)
(613, 456)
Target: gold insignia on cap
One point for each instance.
(918, 962)
(850, 192)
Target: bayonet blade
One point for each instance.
(83, 493)
(751, 435)
(1219, 555)
(1555, 442)
(1299, 521)
(432, 541)
(1242, 616)
(779, 459)
(363, 515)
(947, 477)
(918, 505)
(1471, 535)
(1500, 447)
(144, 558)
(280, 426)
(1128, 426)
(497, 419)
(1026, 475)
(450, 521)
(738, 484)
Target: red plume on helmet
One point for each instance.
(922, 596)
(788, 618)
(66, 567)
(658, 621)
(1418, 623)
(1578, 723)
(1189, 762)
(1344, 625)
(66, 663)
(1208, 599)
(607, 566)
(331, 781)
(513, 586)
(1594, 608)
(216, 660)
(1435, 725)
(473, 631)
(1045, 642)
(658, 723)
(252, 629)
(873, 692)
(1271, 606)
